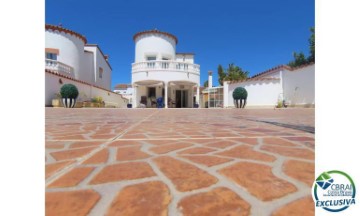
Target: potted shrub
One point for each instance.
(69, 93)
(56, 102)
(241, 94)
(97, 102)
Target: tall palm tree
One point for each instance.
(235, 73)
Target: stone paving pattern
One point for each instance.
(178, 162)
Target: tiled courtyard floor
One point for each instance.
(179, 162)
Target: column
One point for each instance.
(198, 95)
(134, 99)
(166, 95)
(226, 94)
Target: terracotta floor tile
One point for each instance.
(86, 144)
(246, 152)
(207, 160)
(52, 168)
(304, 206)
(258, 180)
(291, 152)
(150, 198)
(72, 178)
(219, 201)
(70, 137)
(123, 171)
(130, 153)
(98, 158)
(277, 141)
(160, 142)
(250, 141)
(71, 154)
(120, 143)
(184, 176)
(301, 171)
(70, 203)
(169, 148)
(196, 150)
(221, 144)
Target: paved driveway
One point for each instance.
(179, 161)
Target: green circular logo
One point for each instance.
(334, 191)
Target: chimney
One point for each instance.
(210, 80)
(106, 57)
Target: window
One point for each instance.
(151, 58)
(101, 71)
(52, 56)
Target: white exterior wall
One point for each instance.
(87, 74)
(71, 49)
(299, 86)
(154, 44)
(260, 93)
(99, 61)
(105, 81)
(53, 86)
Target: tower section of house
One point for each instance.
(64, 51)
(67, 53)
(160, 72)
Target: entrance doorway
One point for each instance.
(181, 98)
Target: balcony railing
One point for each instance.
(59, 67)
(165, 66)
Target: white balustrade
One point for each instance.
(165, 66)
(59, 67)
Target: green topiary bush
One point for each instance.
(240, 93)
(69, 91)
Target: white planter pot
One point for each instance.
(69, 102)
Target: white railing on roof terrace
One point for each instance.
(165, 66)
(59, 67)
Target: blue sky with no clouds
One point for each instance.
(253, 34)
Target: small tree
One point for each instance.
(221, 75)
(311, 58)
(241, 94)
(206, 83)
(299, 59)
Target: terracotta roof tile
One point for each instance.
(68, 31)
(155, 31)
(272, 70)
(260, 76)
(122, 86)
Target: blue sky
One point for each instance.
(253, 34)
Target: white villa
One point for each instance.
(69, 59)
(294, 85)
(159, 71)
